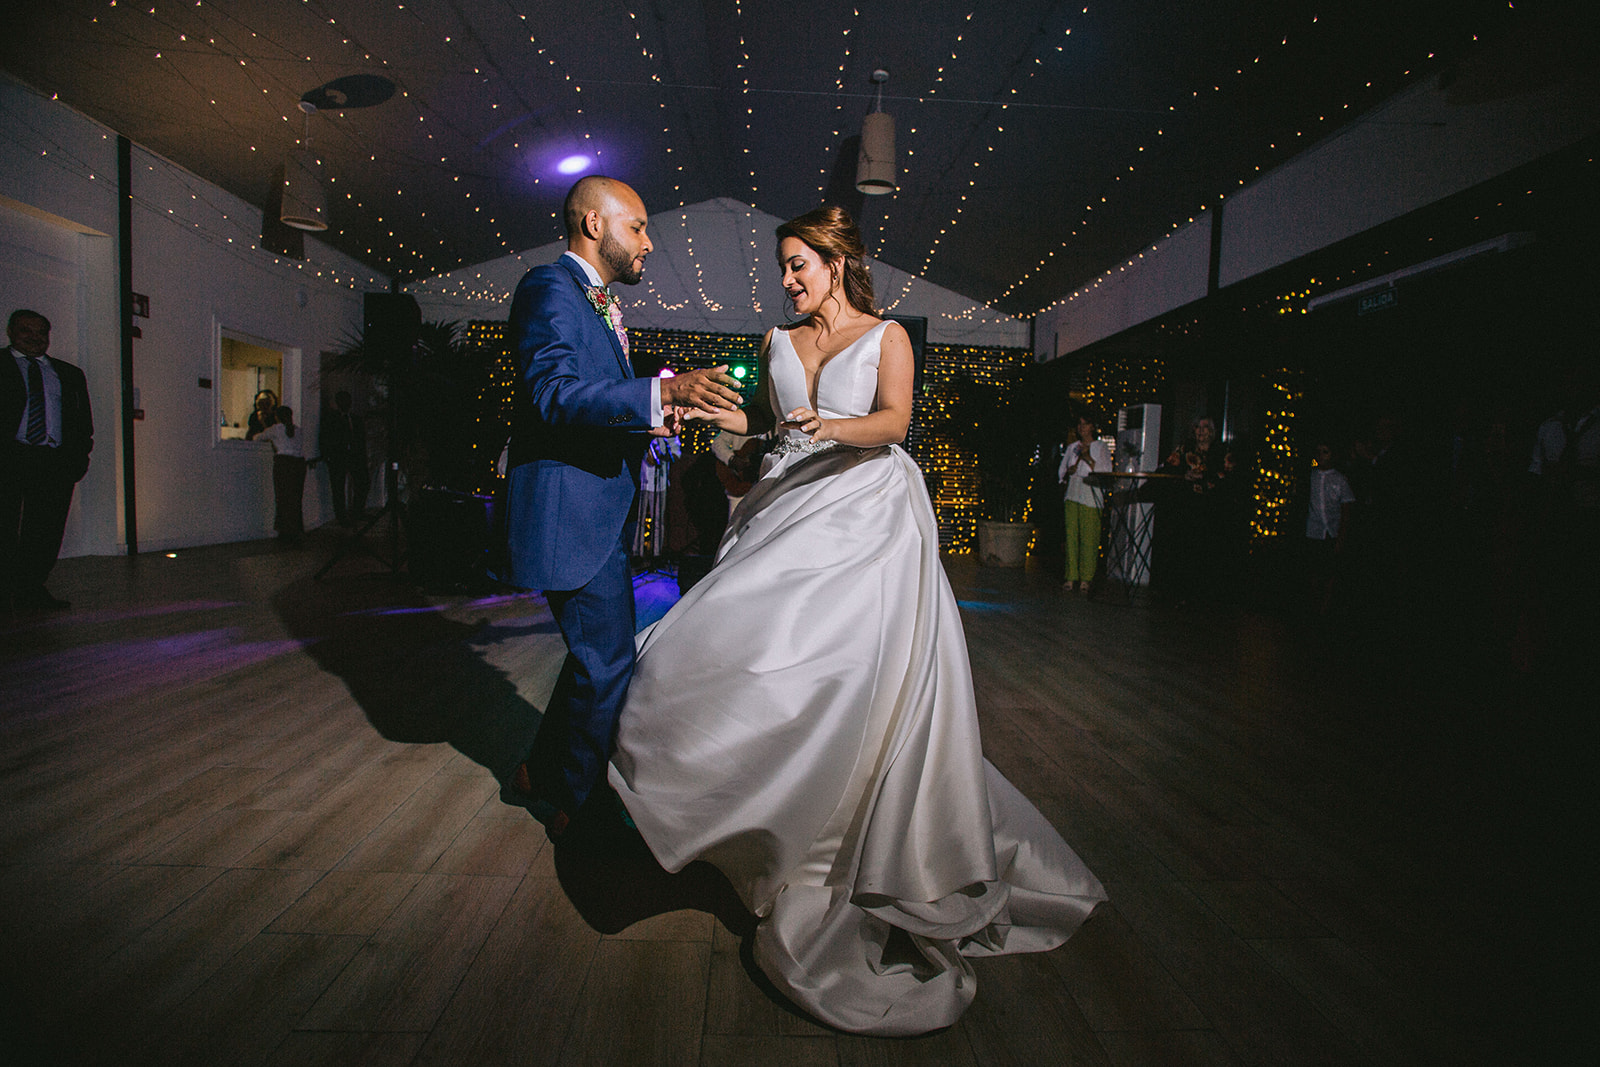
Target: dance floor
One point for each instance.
(255, 818)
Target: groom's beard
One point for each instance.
(619, 259)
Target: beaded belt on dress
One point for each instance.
(788, 444)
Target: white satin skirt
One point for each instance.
(803, 718)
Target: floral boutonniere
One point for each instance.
(605, 304)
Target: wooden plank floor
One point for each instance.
(253, 818)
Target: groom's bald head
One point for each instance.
(599, 194)
(606, 224)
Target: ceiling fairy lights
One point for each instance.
(532, 112)
(905, 174)
(1175, 113)
(741, 68)
(203, 211)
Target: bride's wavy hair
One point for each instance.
(832, 234)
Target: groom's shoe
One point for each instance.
(555, 820)
(557, 826)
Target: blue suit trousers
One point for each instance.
(579, 730)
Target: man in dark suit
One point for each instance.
(579, 426)
(45, 437)
(342, 445)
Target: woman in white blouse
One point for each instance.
(288, 474)
(1083, 457)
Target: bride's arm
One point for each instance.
(891, 417)
(755, 417)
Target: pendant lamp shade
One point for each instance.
(875, 165)
(305, 205)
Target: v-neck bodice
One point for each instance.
(847, 383)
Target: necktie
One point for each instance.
(36, 422)
(616, 322)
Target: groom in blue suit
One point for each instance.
(579, 426)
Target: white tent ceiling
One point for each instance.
(714, 270)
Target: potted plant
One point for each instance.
(992, 420)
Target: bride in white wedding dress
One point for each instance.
(803, 717)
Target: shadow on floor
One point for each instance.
(617, 883)
(417, 674)
(420, 678)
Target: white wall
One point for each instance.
(1420, 146)
(195, 257)
(714, 270)
(1163, 275)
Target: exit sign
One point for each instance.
(1383, 298)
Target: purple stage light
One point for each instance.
(574, 164)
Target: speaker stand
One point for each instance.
(355, 544)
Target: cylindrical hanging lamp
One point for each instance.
(305, 205)
(875, 164)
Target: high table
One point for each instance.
(1128, 529)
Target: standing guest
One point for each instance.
(1083, 457)
(1192, 541)
(44, 413)
(1395, 522)
(655, 471)
(1201, 459)
(1328, 503)
(342, 442)
(261, 414)
(288, 475)
(1556, 622)
(579, 426)
(738, 459)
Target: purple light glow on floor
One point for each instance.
(103, 615)
(423, 609)
(653, 597)
(127, 670)
(427, 609)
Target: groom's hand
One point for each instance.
(709, 388)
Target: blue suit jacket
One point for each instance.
(577, 431)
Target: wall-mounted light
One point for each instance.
(305, 205)
(875, 164)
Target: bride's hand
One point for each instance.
(808, 422)
(715, 416)
(671, 422)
